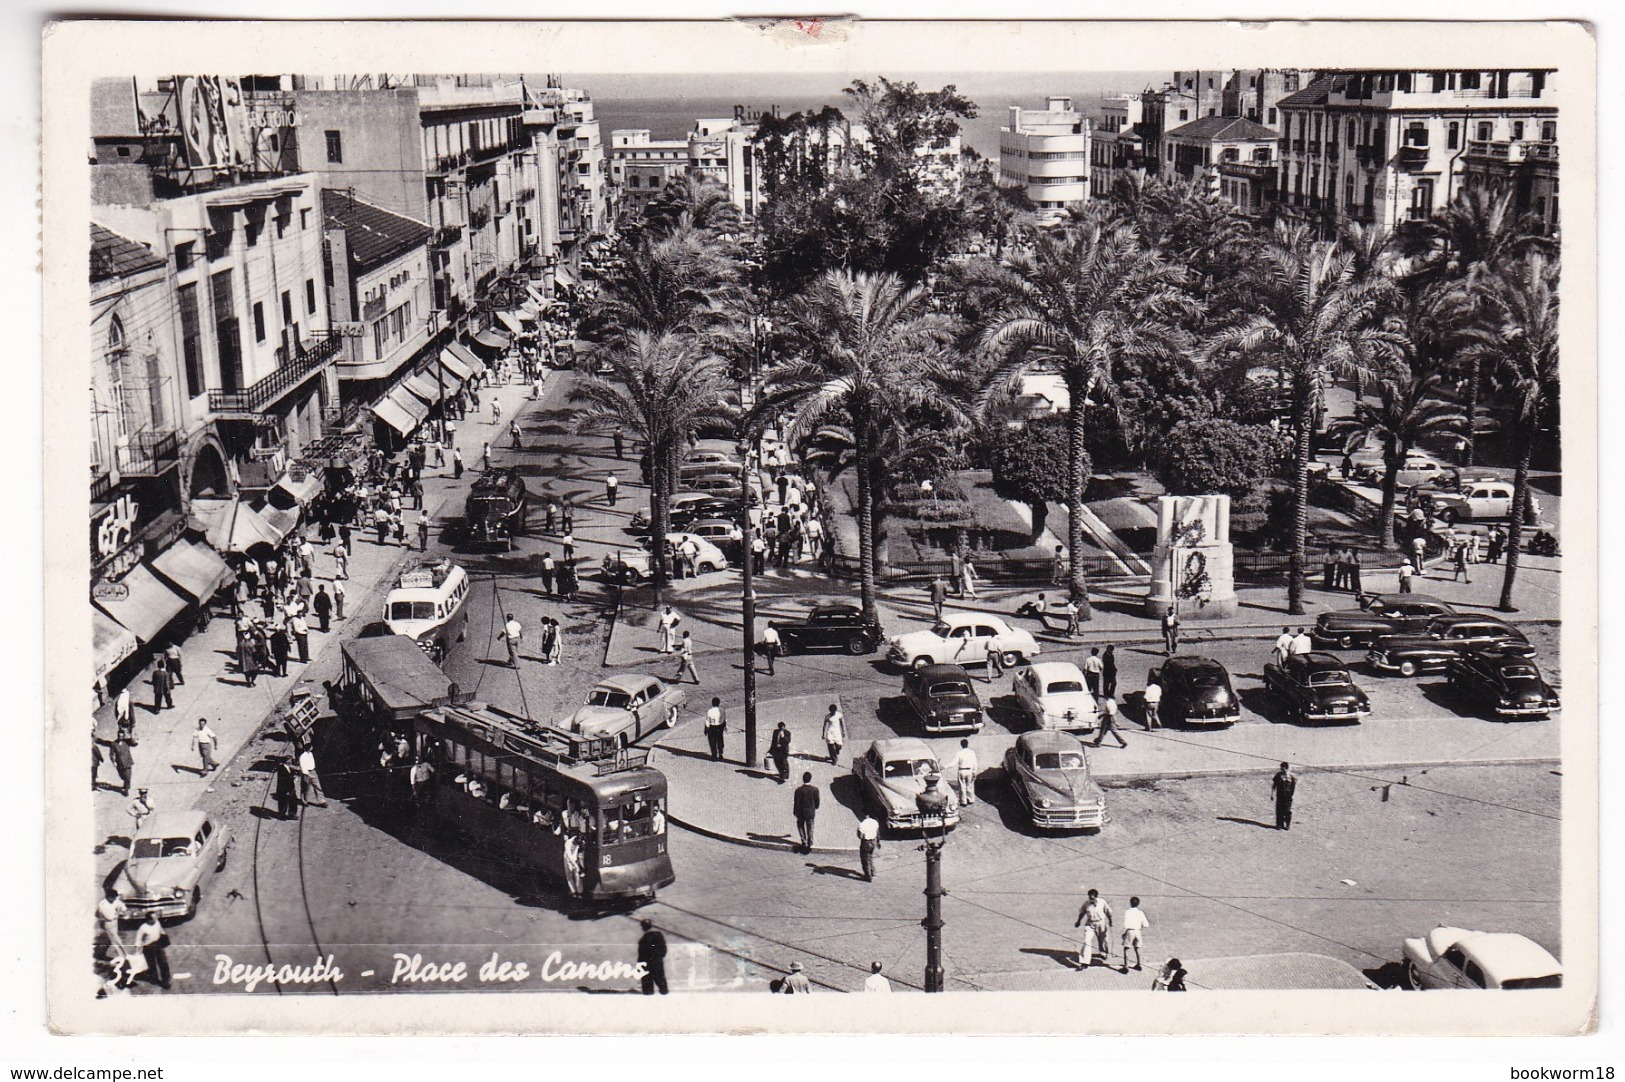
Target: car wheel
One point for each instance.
(1407, 668)
(1448, 516)
(706, 568)
(671, 717)
(1413, 977)
(1010, 659)
(220, 865)
(922, 661)
(1345, 641)
(855, 645)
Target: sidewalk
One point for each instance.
(1263, 972)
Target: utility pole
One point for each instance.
(932, 804)
(748, 539)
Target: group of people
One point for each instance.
(1340, 570)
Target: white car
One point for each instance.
(1457, 958)
(1479, 501)
(964, 638)
(1055, 695)
(632, 565)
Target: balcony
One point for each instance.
(445, 236)
(250, 402)
(1412, 157)
(1368, 156)
(1513, 152)
(1314, 148)
(150, 454)
(101, 485)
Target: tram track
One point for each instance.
(262, 849)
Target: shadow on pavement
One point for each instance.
(1067, 959)
(837, 871)
(1248, 822)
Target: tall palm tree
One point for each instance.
(699, 202)
(672, 283)
(1318, 322)
(1080, 302)
(1516, 342)
(866, 347)
(659, 389)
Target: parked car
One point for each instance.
(964, 638)
(720, 533)
(1341, 435)
(710, 460)
(691, 507)
(1379, 615)
(632, 566)
(893, 772)
(715, 484)
(1317, 687)
(1055, 695)
(627, 708)
(1453, 958)
(170, 856)
(1420, 469)
(830, 627)
(1504, 681)
(943, 698)
(1195, 691)
(1049, 773)
(1445, 637)
(1480, 501)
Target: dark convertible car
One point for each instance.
(1505, 682)
(830, 627)
(1195, 691)
(1317, 687)
(944, 698)
(1445, 637)
(1378, 615)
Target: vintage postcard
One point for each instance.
(1046, 515)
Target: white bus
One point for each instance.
(426, 605)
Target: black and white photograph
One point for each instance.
(1038, 524)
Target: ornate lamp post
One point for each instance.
(760, 328)
(933, 804)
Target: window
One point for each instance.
(310, 296)
(259, 322)
(1416, 135)
(287, 308)
(1486, 131)
(115, 335)
(191, 351)
(1350, 133)
(1272, 116)
(1453, 135)
(1184, 114)
(186, 251)
(1471, 80)
(1421, 200)
(1548, 131)
(335, 147)
(304, 217)
(1517, 130)
(378, 340)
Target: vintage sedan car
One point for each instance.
(1378, 615)
(1055, 695)
(690, 507)
(1457, 958)
(1444, 638)
(1049, 773)
(830, 627)
(893, 772)
(720, 532)
(1504, 681)
(1317, 687)
(1195, 691)
(943, 698)
(632, 566)
(963, 638)
(626, 708)
(170, 856)
(1480, 500)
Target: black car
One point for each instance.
(715, 507)
(1317, 687)
(1378, 615)
(944, 698)
(1444, 638)
(830, 627)
(496, 507)
(1505, 682)
(1195, 691)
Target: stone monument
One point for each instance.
(1193, 567)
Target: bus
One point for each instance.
(426, 605)
(578, 812)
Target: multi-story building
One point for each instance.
(1255, 94)
(1189, 96)
(1231, 156)
(641, 167)
(1116, 147)
(1392, 147)
(1046, 152)
(1518, 157)
(572, 208)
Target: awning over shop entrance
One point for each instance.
(541, 302)
(491, 338)
(232, 526)
(197, 570)
(563, 276)
(280, 522)
(423, 385)
(290, 493)
(112, 642)
(467, 356)
(455, 366)
(400, 411)
(528, 312)
(146, 605)
(511, 322)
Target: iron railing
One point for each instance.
(298, 368)
(149, 454)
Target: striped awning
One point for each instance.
(511, 322)
(145, 606)
(424, 385)
(400, 411)
(111, 642)
(456, 366)
(467, 356)
(194, 568)
(232, 526)
(491, 338)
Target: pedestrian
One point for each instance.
(380, 523)
(690, 552)
(1152, 700)
(124, 709)
(153, 943)
(322, 606)
(347, 537)
(965, 768)
(778, 750)
(994, 663)
(970, 580)
(96, 760)
(1474, 540)
(547, 569)
(652, 958)
(758, 554)
(1108, 723)
(1091, 671)
(1354, 584)
(1073, 611)
(123, 762)
(250, 574)
(612, 485)
(496, 411)
(795, 981)
(1170, 632)
(1172, 977)
(956, 570)
(203, 742)
(1285, 786)
(341, 561)
(620, 442)
(939, 596)
(716, 729)
(567, 541)
(456, 463)
(513, 434)
(569, 581)
(423, 530)
(309, 781)
(1060, 572)
(280, 646)
(771, 645)
(567, 516)
(139, 808)
(667, 628)
(1328, 569)
(1108, 672)
(301, 636)
(685, 659)
(172, 661)
(875, 981)
(1134, 926)
(1283, 646)
(815, 539)
(868, 844)
(552, 516)
(1496, 544)
(512, 635)
(109, 911)
(1460, 571)
(338, 600)
(834, 732)
(1301, 642)
(805, 804)
(1419, 548)
(305, 589)
(1097, 915)
(1405, 574)
(286, 793)
(161, 682)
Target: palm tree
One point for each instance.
(673, 283)
(1318, 322)
(1516, 342)
(866, 346)
(699, 202)
(660, 390)
(1080, 302)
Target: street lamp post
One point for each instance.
(747, 396)
(933, 804)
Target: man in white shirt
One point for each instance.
(716, 729)
(1283, 645)
(1153, 702)
(308, 780)
(965, 765)
(875, 982)
(834, 731)
(203, 742)
(512, 635)
(868, 844)
(668, 626)
(1134, 923)
(1302, 643)
(770, 647)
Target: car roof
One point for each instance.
(902, 747)
(172, 824)
(1191, 663)
(1401, 599)
(1048, 740)
(628, 682)
(972, 618)
(1319, 661)
(942, 671)
(842, 608)
(1451, 619)
(700, 524)
(1056, 670)
(1507, 956)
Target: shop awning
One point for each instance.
(290, 493)
(456, 366)
(400, 411)
(511, 322)
(562, 275)
(112, 642)
(453, 382)
(232, 526)
(195, 569)
(146, 606)
(535, 295)
(491, 338)
(424, 385)
(467, 356)
(528, 313)
(281, 523)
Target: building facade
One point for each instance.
(1116, 147)
(1046, 153)
(1229, 156)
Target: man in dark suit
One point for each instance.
(805, 803)
(1285, 786)
(652, 956)
(778, 749)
